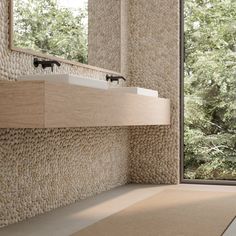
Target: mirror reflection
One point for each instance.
(61, 28)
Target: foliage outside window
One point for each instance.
(46, 26)
(210, 90)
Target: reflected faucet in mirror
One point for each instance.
(45, 64)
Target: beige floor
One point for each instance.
(67, 220)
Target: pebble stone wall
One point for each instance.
(153, 63)
(105, 20)
(42, 169)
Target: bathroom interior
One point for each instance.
(117, 117)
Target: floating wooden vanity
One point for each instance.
(49, 104)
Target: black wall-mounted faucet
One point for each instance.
(45, 64)
(114, 78)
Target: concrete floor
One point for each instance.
(67, 220)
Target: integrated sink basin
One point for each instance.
(69, 79)
(136, 90)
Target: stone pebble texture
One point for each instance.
(105, 20)
(153, 62)
(42, 169)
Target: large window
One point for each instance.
(209, 88)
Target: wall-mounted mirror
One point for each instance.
(75, 31)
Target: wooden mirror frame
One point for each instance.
(47, 56)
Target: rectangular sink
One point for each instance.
(136, 90)
(70, 79)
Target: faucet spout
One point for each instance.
(114, 78)
(45, 63)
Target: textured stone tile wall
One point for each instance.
(105, 37)
(153, 62)
(42, 169)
